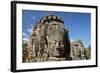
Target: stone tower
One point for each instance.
(50, 40)
(77, 50)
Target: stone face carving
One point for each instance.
(50, 42)
(77, 50)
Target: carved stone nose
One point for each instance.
(57, 45)
(59, 49)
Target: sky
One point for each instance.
(78, 24)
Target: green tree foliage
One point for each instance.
(88, 52)
(24, 51)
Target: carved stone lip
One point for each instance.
(56, 53)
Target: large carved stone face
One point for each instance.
(55, 38)
(56, 48)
